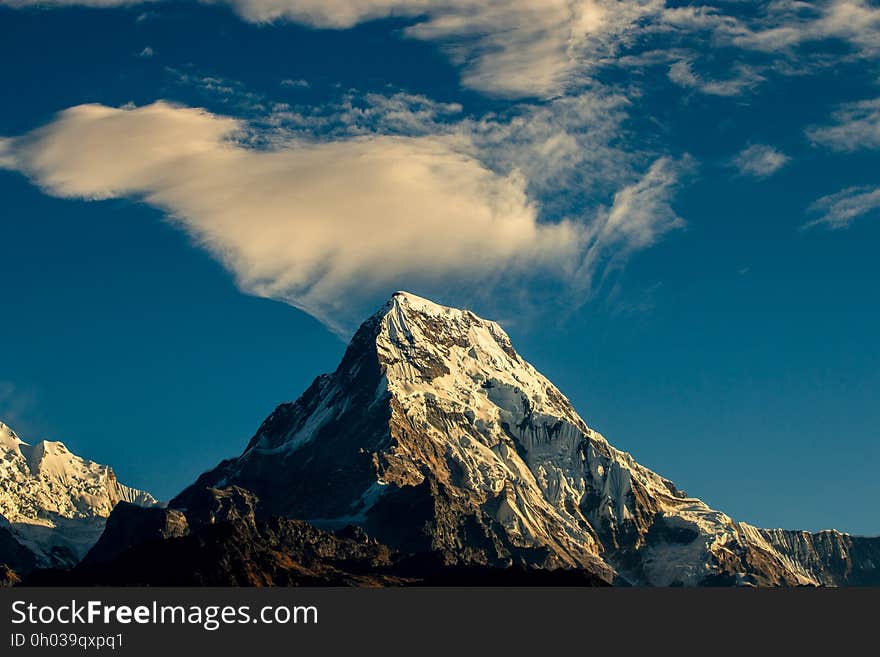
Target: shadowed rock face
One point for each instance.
(434, 435)
(223, 539)
(216, 541)
(14, 557)
(130, 525)
(340, 410)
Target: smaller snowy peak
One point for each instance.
(54, 499)
(51, 459)
(8, 438)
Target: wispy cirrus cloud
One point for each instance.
(840, 210)
(7, 157)
(543, 48)
(759, 160)
(506, 48)
(854, 126)
(509, 48)
(639, 215)
(295, 84)
(786, 24)
(744, 77)
(328, 225)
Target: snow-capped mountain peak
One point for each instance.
(428, 347)
(434, 434)
(8, 438)
(54, 501)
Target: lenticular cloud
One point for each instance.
(318, 225)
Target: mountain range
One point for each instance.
(433, 453)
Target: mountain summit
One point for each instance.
(434, 435)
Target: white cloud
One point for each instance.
(328, 226)
(531, 47)
(7, 157)
(745, 77)
(760, 160)
(510, 48)
(640, 214)
(571, 150)
(841, 209)
(855, 126)
(146, 52)
(397, 113)
(519, 48)
(566, 147)
(301, 84)
(338, 14)
(789, 23)
(569, 146)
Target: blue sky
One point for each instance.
(673, 209)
